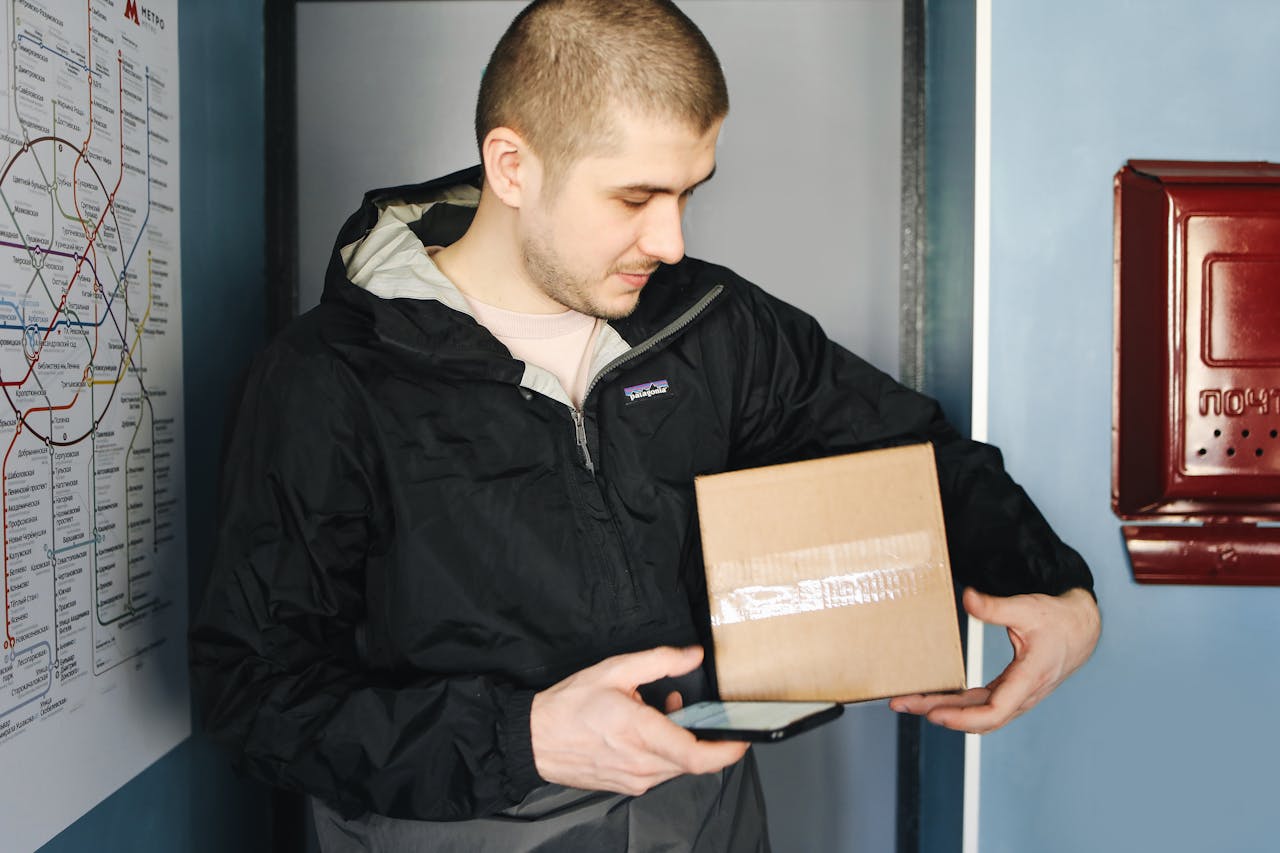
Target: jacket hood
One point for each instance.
(378, 234)
(389, 261)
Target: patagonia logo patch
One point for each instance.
(645, 390)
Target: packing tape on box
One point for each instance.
(846, 574)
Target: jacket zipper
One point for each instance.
(579, 419)
(580, 430)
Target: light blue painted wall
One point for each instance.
(1167, 740)
(189, 801)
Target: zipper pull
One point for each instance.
(580, 433)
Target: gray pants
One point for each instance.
(717, 813)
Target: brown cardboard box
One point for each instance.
(829, 579)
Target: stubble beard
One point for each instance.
(550, 275)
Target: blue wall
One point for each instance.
(948, 373)
(949, 80)
(1167, 740)
(189, 800)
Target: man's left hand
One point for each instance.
(1052, 637)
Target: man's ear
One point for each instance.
(511, 168)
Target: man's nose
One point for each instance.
(663, 234)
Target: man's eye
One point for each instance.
(635, 203)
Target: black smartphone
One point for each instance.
(754, 721)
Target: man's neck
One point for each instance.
(485, 263)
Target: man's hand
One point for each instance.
(592, 731)
(1052, 637)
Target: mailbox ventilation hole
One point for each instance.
(1231, 451)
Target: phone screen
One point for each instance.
(756, 721)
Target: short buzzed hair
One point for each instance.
(562, 66)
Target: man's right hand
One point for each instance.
(592, 730)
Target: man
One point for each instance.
(455, 558)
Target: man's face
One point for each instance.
(592, 243)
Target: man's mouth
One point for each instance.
(636, 278)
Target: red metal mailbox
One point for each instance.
(1196, 412)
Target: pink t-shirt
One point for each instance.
(560, 343)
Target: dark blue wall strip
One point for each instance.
(190, 800)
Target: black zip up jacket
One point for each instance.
(412, 542)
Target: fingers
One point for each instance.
(992, 609)
(627, 672)
(979, 709)
(674, 702)
(653, 750)
(591, 730)
(714, 756)
(678, 746)
(923, 703)
(1005, 703)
